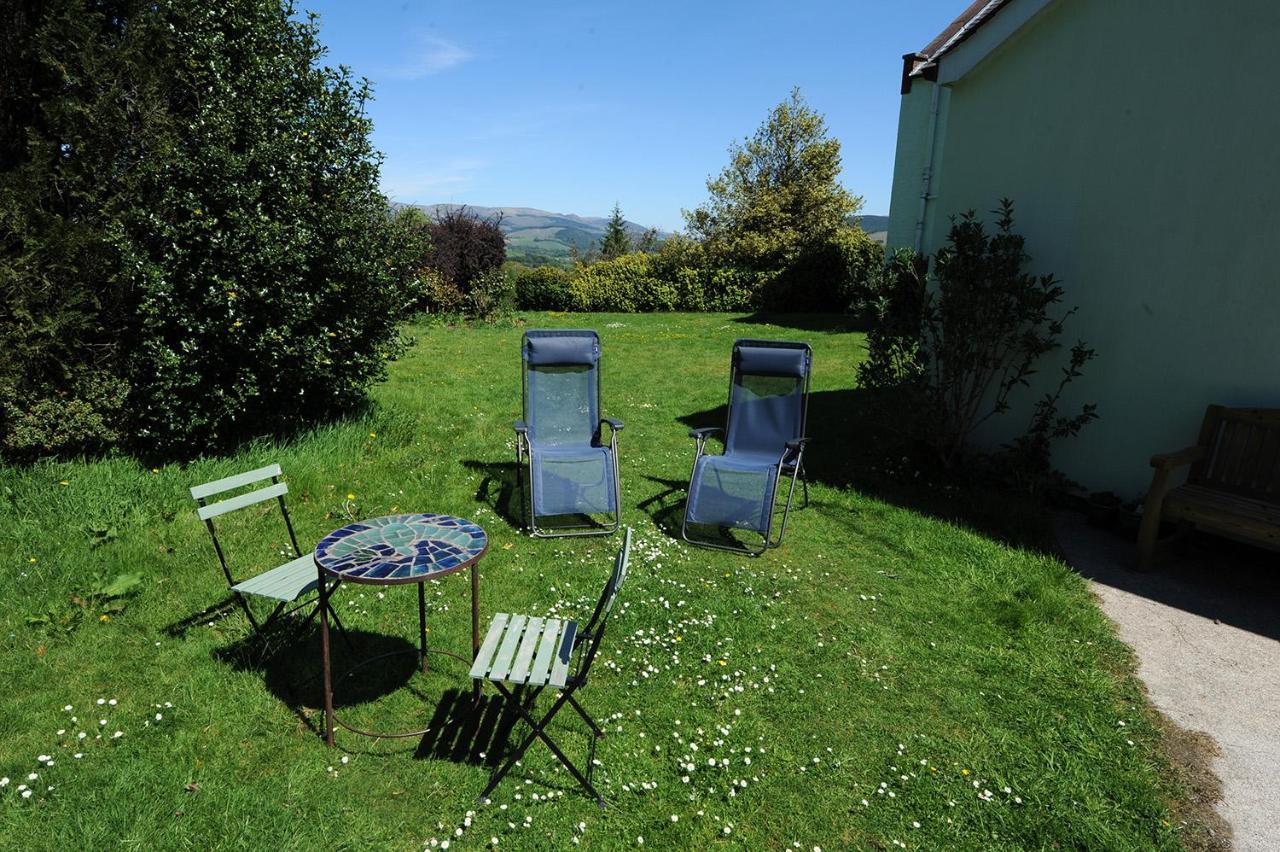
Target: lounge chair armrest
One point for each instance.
(614, 424)
(1185, 456)
(705, 432)
(797, 444)
(521, 429)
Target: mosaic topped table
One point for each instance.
(394, 550)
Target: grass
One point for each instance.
(887, 678)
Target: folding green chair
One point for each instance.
(284, 584)
(534, 652)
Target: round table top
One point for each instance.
(401, 548)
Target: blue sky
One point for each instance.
(570, 107)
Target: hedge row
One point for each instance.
(829, 277)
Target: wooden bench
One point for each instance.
(1232, 488)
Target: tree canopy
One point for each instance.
(616, 241)
(779, 193)
(193, 244)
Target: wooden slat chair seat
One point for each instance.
(286, 583)
(1233, 481)
(526, 651)
(283, 584)
(535, 653)
(1228, 513)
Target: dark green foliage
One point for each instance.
(190, 206)
(616, 241)
(828, 275)
(951, 351)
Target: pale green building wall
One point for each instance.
(1142, 152)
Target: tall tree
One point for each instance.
(779, 193)
(616, 241)
(189, 210)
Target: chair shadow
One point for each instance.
(499, 488)
(848, 449)
(667, 514)
(228, 606)
(291, 669)
(464, 731)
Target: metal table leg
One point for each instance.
(324, 653)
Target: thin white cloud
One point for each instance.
(433, 56)
(415, 185)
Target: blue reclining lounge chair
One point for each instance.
(573, 475)
(764, 442)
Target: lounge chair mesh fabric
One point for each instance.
(766, 409)
(572, 473)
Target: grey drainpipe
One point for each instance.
(926, 179)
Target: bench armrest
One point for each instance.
(1185, 456)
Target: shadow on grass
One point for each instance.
(823, 323)
(499, 489)
(375, 665)
(465, 731)
(848, 449)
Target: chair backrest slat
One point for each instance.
(213, 510)
(561, 385)
(1242, 451)
(201, 492)
(768, 395)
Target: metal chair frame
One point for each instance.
(790, 462)
(524, 462)
(207, 512)
(591, 636)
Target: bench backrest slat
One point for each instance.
(1243, 451)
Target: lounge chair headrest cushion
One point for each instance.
(562, 351)
(771, 361)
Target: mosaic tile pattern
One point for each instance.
(401, 548)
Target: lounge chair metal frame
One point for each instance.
(790, 462)
(524, 451)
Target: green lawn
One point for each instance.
(886, 679)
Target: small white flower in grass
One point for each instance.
(4, 782)
(81, 735)
(61, 731)
(26, 794)
(493, 841)
(102, 701)
(640, 840)
(78, 755)
(915, 824)
(727, 830)
(67, 708)
(117, 735)
(112, 702)
(159, 717)
(43, 758)
(345, 759)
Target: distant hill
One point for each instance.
(538, 237)
(877, 227)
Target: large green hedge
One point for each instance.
(193, 245)
(830, 276)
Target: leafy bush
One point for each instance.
(492, 294)
(543, 288)
(956, 352)
(465, 247)
(626, 283)
(208, 229)
(830, 274)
